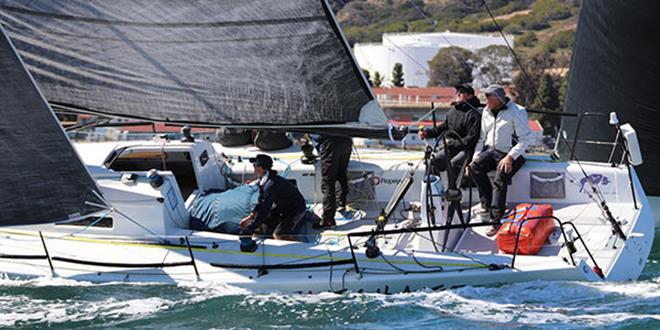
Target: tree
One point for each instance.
(547, 95)
(494, 65)
(547, 99)
(535, 67)
(368, 76)
(378, 79)
(397, 75)
(451, 66)
(538, 90)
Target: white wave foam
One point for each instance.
(206, 290)
(293, 299)
(22, 309)
(644, 290)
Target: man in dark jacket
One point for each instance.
(335, 153)
(464, 118)
(281, 207)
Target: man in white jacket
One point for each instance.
(505, 135)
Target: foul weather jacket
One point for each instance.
(277, 195)
(500, 131)
(464, 118)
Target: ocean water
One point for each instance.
(63, 304)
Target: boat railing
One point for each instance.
(50, 258)
(568, 243)
(570, 246)
(263, 268)
(374, 233)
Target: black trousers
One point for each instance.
(493, 197)
(335, 154)
(456, 162)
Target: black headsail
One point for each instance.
(616, 67)
(41, 178)
(231, 62)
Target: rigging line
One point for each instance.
(602, 202)
(401, 270)
(423, 117)
(434, 23)
(163, 156)
(422, 265)
(163, 240)
(515, 56)
(91, 224)
(388, 39)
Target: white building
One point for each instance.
(414, 50)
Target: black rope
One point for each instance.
(285, 266)
(515, 56)
(422, 265)
(122, 265)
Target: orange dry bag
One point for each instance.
(533, 233)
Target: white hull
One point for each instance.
(409, 261)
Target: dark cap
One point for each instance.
(464, 88)
(262, 160)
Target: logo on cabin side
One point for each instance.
(378, 180)
(596, 181)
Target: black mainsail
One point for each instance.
(226, 63)
(615, 67)
(41, 178)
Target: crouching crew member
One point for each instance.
(281, 207)
(505, 135)
(464, 118)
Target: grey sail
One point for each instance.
(41, 178)
(230, 62)
(615, 67)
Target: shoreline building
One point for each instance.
(414, 50)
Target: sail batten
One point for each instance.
(41, 179)
(248, 62)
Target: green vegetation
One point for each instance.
(451, 66)
(378, 79)
(561, 40)
(528, 39)
(544, 33)
(368, 76)
(533, 21)
(397, 75)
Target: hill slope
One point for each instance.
(539, 25)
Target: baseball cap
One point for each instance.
(464, 88)
(262, 160)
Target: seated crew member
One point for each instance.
(465, 119)
(281, 207)
(505, 135)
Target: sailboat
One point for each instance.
(266, 64)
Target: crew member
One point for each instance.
(281, 207)
(464, 118)
(335, 153)
(505, 135)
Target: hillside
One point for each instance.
(538, 25)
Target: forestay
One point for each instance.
(231, 62)
(41, 178)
